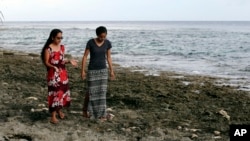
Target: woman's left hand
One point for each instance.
(74, 63)
(112, 75)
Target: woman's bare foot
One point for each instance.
(61, 114)
(102, 119)
(85, 114)
(53, 119)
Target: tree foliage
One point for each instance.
(1, 16)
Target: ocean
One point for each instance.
(205, 48)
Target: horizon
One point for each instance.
(129, 21)
(129, 10)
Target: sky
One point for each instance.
(125, 10)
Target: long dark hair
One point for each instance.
(52, 35)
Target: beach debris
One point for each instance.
(197, 91)
(194, 130)
(179, 127)
(38, 110)
(76, 112)
(186, 83)
(123, 129)
(224, 114)
(178, 77)
(5, 84)
(109, 110)
(41, 105)
(126, 129)
(194, 136)
(152, 74)
(216, 133)
(133, 128)
(110, 116)
(32, 98)
(109, 130)
(18, 88)
(45, 109)
(217, 137)
(186, 129)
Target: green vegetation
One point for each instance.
(1, 16)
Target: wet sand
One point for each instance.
(169, 107)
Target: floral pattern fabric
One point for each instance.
(58, 88)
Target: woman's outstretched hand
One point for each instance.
(74, 63)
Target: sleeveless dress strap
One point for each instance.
(62, 48)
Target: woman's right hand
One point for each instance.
(83, 75)
(56, 69)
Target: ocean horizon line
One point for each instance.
(128, 21)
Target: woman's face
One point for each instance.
(58, 38)
(102, 37)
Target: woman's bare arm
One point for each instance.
(109, 59)
(84, 60)
(46, 56)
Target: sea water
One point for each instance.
(204, 48)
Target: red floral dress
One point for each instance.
(58, 88)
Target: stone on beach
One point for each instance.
(216, 133)
(5, 84)
(39, 110)
(179, 127)
(110, 116)
(195, 130)
(224, 114)
(194, 136)
(109, 110)
(151, 108)
(76, 112)
(32, 98)
(41, 105)
(217, 137)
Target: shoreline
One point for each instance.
(240, 83)
(171, 106)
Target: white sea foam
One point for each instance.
(205, 48)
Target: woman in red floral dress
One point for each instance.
(57, 78)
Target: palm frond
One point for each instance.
(1, 16)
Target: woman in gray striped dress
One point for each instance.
(99, 49)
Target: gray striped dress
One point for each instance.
(97, 88)
(97, 78)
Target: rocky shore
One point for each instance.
(169, 107)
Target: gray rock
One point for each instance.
(74, 136)
(217, 133)
(186, 139)
(21, 140)
(158, 132)
(5, 84)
